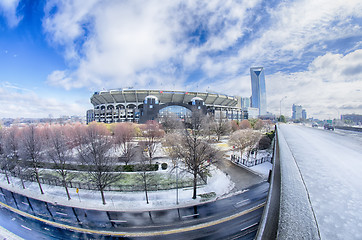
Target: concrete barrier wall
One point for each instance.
(269, 222)
(356, 129)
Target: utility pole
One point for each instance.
(280, 106)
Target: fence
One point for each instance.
(250, 162)
(114, 187)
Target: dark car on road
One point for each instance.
(314, 125)
(328, 126)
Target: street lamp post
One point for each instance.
(280, 106)
(177, 181)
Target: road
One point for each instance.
(220, 219)
(330, 163)
(239, 175)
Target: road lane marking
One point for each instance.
(192, 215)
(238, 204)
(60, 213)
(26, 227)
(245, 228)
(119, 221)
(138, 234)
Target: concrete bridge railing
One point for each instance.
(288, 213)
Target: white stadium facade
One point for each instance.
(129, 105)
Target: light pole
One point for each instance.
(176, 181)
(280, 106)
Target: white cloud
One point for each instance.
(331, 86)
(113, 43)
(8, 10)
(151, 44)
(296, 28)
(21, 102)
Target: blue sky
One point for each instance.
(54, 54)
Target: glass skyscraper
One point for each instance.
(258, 97)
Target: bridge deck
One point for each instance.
(330, 164)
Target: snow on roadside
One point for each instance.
(263, 168)
(123, 201)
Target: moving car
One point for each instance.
(328, 126)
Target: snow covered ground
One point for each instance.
(331, 167)
(123, 201)
(260, 169)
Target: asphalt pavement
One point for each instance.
(209, 220)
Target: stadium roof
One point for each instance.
(138, 96)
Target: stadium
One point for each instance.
(129, 105)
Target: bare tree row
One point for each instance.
(23, 149)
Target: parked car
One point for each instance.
(314, 125)
(328, 126)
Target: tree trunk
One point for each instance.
(103, 198)
(7, 176)
(195, 185)
(66, 188)
(22, 182)
(145, 183)
(38, 180)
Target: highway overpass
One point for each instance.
(316, 185)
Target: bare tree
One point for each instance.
(4, 160)
(94, 151)
(145, 175)
(208, 125)
(243, 139)
(32, 149)
(124, 133)
(235, 125)
(152, 134)
(221, 128)
(259, 124)
(11, 149)
(193, 150)
(244, 124)
(171, 122)
(59, 151)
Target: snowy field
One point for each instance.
(124, 201)
(331, 166)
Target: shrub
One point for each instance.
(164, 166)
(128, 168)
(264, 142)
(270, 135)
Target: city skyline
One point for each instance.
(55, 54)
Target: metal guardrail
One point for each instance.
(356, 129)
(289, 215)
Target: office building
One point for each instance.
(298, 112)
(258, 97)
(245, 102)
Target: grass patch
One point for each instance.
(207, 196)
